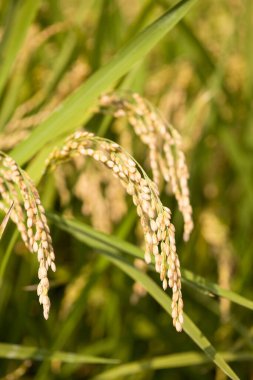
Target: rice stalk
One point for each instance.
(164, 142)
(159, 232)
(21, 198)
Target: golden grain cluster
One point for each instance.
(167, 162)
(158, 230)
(18, 191)
(167, 159)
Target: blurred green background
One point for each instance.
(200, 76)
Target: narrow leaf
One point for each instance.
(19, 352)
(113, 244)
(160, 296)
(184, 359)
(73, 111)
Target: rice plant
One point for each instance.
(125, 130)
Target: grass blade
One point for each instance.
(189, 327)
(167, 361)
(19, 352)
(6, 257)
(73, 110)
(162, 298)
(215, 289)
(114, 244)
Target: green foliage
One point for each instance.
(195, 64)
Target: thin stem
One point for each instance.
(7, 255)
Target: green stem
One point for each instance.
(7, 255)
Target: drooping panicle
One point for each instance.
(165, 153)
(155, 219)
(17, 190)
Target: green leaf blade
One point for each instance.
(20, 352)
(113, 244)
(73, 111)
(153, 289)
(179, 360)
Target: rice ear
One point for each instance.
(159, 232)
(21, 201)
(167, 159)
